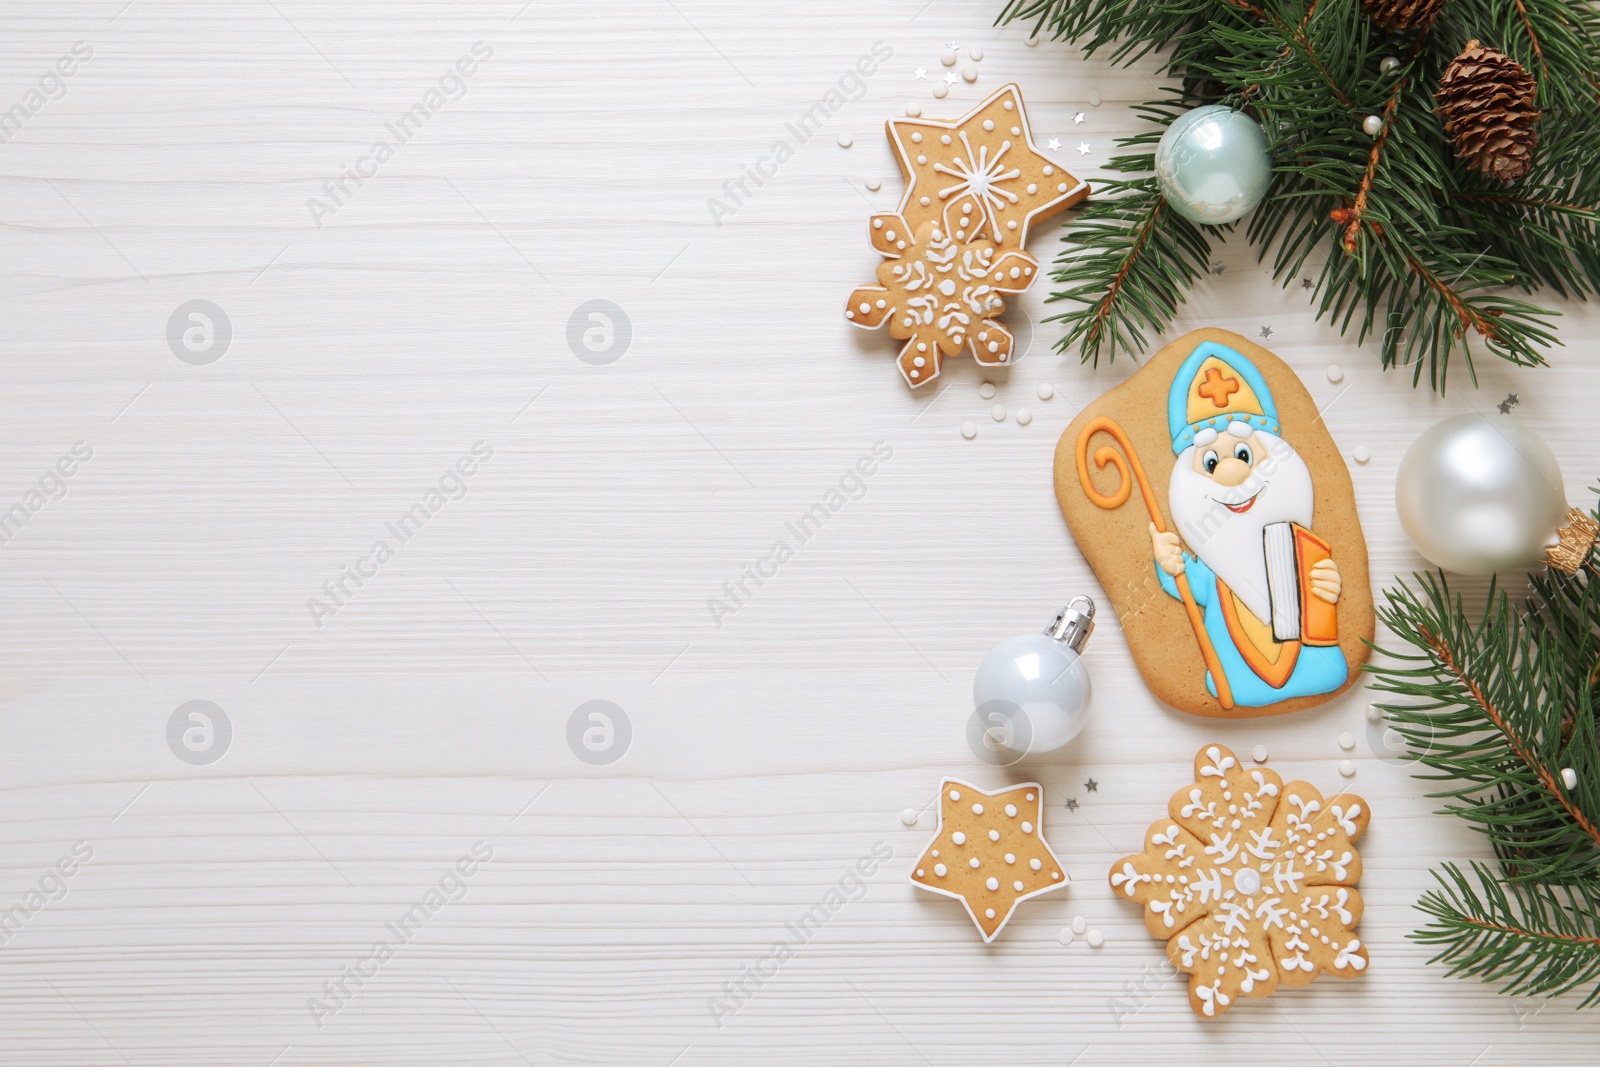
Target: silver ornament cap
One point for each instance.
(1478, 495)
(1212, 165)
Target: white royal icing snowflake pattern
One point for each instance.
(1250, 881)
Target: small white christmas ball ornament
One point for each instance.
(1212, 165)
(1372, 125)
(1478, 495)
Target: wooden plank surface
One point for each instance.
(424, 723)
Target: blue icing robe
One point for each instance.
(1317, 670)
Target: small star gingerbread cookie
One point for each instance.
(989, 852)
(983, 167)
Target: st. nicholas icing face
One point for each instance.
(1226, 488)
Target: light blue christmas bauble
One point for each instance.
(1212, 165)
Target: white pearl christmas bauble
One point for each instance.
(1478, 494)
(1212, 165)
(1372, 125)
(1043, 678)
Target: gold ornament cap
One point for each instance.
(1574, 542)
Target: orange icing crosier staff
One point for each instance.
(1130, 470)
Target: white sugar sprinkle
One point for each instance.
(1079, 924)
(1335, 373)
(1096, 939)
(909, 816)
(1259, 753)
(1347, 740)
(968, 430)
(1024, 416)
(986, 390)
(845, 140)
(999, 412)
(1046, 390)
(1362, 454)
(913, 111)
(1347, 768)
(1065, 936)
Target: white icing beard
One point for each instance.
(1230, 543)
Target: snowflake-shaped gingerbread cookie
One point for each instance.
(1250, 882)
(939, 293)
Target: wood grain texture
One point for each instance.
(772, 746)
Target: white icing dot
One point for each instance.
(1061, 188)
(1347, 740)
(1027, 827)
(935, 853)
(1347, 768)
(1011, 810)
(994, 346)
(1028, 796)
(865, 307)
(1011, 857)
(849, 313)
(1016, 131)
(922, 346)
(1247, 881)
(1335, 373)
(1096, 939)
(908, 320)
(1259, 753)
(988, 124)
(968, 430)
(916, 138)
(993, 884)
(994, 835)
(921, 160)
(1055, 876)
(889, 236)
(845, 140)
(1017, 886)
(944, 138)
(883, 303)
(939, 869)
(918, 361)
(919, 872)
(1033, 187)
(877, 224)
(1011, 224)
(1035, 864)
(1236, 824)
(1016, 272)
(973, 863)
(954, 795)
(1049, 170)
(988, 913)
(909, 816)
(1024, 416)
(1046, 390)
(986, 390)
(1362, 454)
(977, 809)
(959, 838)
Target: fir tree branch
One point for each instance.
(1532, 939)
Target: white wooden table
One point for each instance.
(427, 717)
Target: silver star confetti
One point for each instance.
(1077, 120)
(1266, 332)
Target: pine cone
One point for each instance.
(1487, 100)
(1402, 16)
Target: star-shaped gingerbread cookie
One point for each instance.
(989, 852)
(980, 174)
